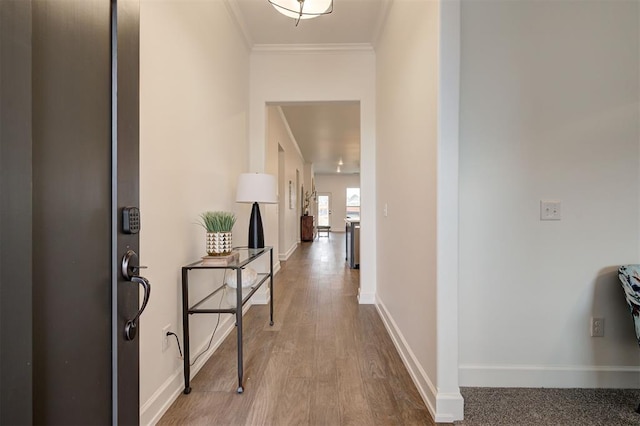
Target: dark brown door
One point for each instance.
(69, 158)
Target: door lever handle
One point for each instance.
(131, 327)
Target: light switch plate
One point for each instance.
(550, 210)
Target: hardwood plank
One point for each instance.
(325, 359)
(382, 403)
(197, 408)
(294, 403)
(354, 409)
(325, 403)
(268, 391)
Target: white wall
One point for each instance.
(278, 133)
(193, 142)
(337, 185)
(417, 186)
(549, 110)
(338, 75)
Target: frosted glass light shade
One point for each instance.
(310, 8)
(257, 188)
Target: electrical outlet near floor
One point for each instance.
(550, 210)
(597, 327)
(165, 338)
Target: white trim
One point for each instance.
(366, 298)
(444, 407)
(283, 257)
(238, 19)
(420, 378)
(262, 296)
(288, 129)
(448, 210)
(449, 407)
(153, 410)
(537, 376)
(382, 21)
(312, 48)
(157, 405)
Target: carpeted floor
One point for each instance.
(545, 407)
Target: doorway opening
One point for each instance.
(326, 140)
(324, 209)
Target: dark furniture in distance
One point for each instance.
(247, 256)
(307, 228)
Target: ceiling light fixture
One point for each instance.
(340, 163)
(302, 9)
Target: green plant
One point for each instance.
(217, 221)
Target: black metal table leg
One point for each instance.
(271, 287)
(239, 327)
(185, 329)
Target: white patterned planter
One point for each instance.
(219, 243)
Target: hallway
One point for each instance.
(326, 361)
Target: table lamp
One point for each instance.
(256, 188)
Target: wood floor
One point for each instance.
(325, 361)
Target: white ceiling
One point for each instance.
(352, 21)
(327, 133)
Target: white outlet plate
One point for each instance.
(597, 327)
(550, 210)
(165, 338)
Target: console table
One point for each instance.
(247, 256)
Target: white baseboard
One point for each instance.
(450, 407)
(445, 408)
(262, 296)
(152, 411)
(544, 376)
(366, 298)
(283, 257)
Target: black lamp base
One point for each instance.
(256, 234)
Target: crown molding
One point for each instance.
(312, 48)
(382, 21)
(236, 15)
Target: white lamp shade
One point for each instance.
(310, 8)
(257, 188)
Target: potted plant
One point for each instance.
(218, 225)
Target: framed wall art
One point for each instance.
(292, 196)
